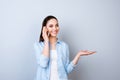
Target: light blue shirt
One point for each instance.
(44, 63)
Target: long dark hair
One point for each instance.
(44, 24)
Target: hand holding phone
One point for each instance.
(45, 34)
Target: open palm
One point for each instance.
(86, 52)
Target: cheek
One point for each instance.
(58, 28)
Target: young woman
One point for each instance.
(52, 54)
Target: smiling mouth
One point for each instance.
(55, 32)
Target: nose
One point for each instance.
(54, 27)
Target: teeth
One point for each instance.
(54, 32)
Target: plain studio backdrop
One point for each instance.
(84, 24)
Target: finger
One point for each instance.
(43, 33)
(92, 52)
(46, 30)
(43, 30)
(88, 52)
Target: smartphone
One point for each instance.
(48, 33)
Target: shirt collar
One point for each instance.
(58, 41)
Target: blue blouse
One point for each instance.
(44, 63)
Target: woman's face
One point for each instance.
(53, 27)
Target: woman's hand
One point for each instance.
(82, 53)
(85, 52)
(46, 40)
(45, 34)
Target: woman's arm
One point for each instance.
(42, 60)
(46, 42)
(42, 53)
(71, 65)
(82, 53)
(46, 49)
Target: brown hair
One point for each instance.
(44, 24)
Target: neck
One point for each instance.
(52, 39)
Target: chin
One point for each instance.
(54, 35)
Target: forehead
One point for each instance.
(52, 21)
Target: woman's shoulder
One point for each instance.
(63, 43)
(37, 43)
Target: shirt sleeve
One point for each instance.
(69, 66)
(42, 60)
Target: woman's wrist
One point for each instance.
(46, 41)
(78, 55)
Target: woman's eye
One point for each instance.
(51, 26)
(57, 25)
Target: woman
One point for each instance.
(52, 54)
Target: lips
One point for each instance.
(54, 32)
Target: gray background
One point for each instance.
(84, 24)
